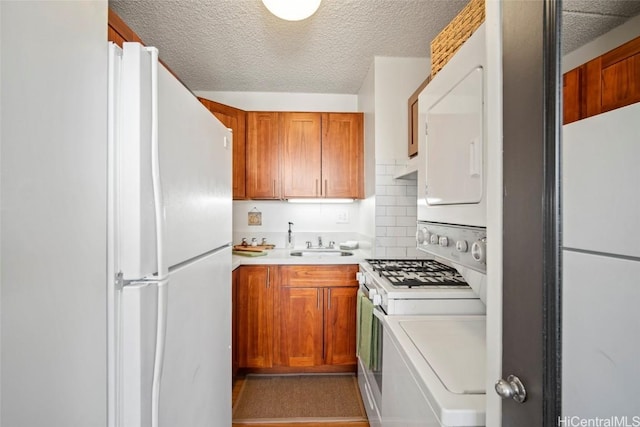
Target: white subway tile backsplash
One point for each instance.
(406, 201)
(381, 231)
(408, 242)
(381, 210)
(397, 252)
(396, 231)
(386, 242)
(387, 201)
(396, 190)
(380, 252)
(407, 221)
(396, 209)
(386, 221)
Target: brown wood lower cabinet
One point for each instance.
(301, 326)
(297, 318)
(340, 326)
(317, 315)
(254, 316)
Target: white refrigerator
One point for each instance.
(169, 250)
(601, 267)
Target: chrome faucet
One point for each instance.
(320, 242)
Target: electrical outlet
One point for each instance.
(342, 217)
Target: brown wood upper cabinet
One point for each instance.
(300, 134)
(236, 120)
(342, 155)
(603, 84)
(263, 156)
(412, 148)
(308, 155)
(118, 31)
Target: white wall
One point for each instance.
(390, 208)
(53, 196)
(282, 101)
(395, 80)
(614, 38)
(366, 104)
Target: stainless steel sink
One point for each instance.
(320, 252)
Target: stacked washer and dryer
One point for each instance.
(433, 347)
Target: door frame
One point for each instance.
(531, 318)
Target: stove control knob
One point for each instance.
(443, 241)
(377, 299)
(422, 236)
(462, 246)
(360, 277)
(373, 293)
(479, 251)
(434, 239)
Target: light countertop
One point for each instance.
(283, 256)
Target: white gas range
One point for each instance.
(450, 284)
(418, 286)
(453, 282)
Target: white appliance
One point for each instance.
(169, 249)
(601, 266)
(452, 141)
(399, 287)
(436, 369)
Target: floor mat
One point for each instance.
(304, 398)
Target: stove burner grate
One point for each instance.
(414, 272)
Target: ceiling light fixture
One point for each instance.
(292, 10)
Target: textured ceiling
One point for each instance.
(237, 45)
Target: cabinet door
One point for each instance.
(236, 120)
(340, 325)
(342, 155)
(118, 31)
(255, 317)
(571, 95)
(301, 154)
(301, 326)
(234, 321)
(413, 130)
(620, 76)
(263, 156)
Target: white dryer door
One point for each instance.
(455, 144)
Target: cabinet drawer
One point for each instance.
(318, 275)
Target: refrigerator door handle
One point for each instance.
(163, 269)
(161, 333)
